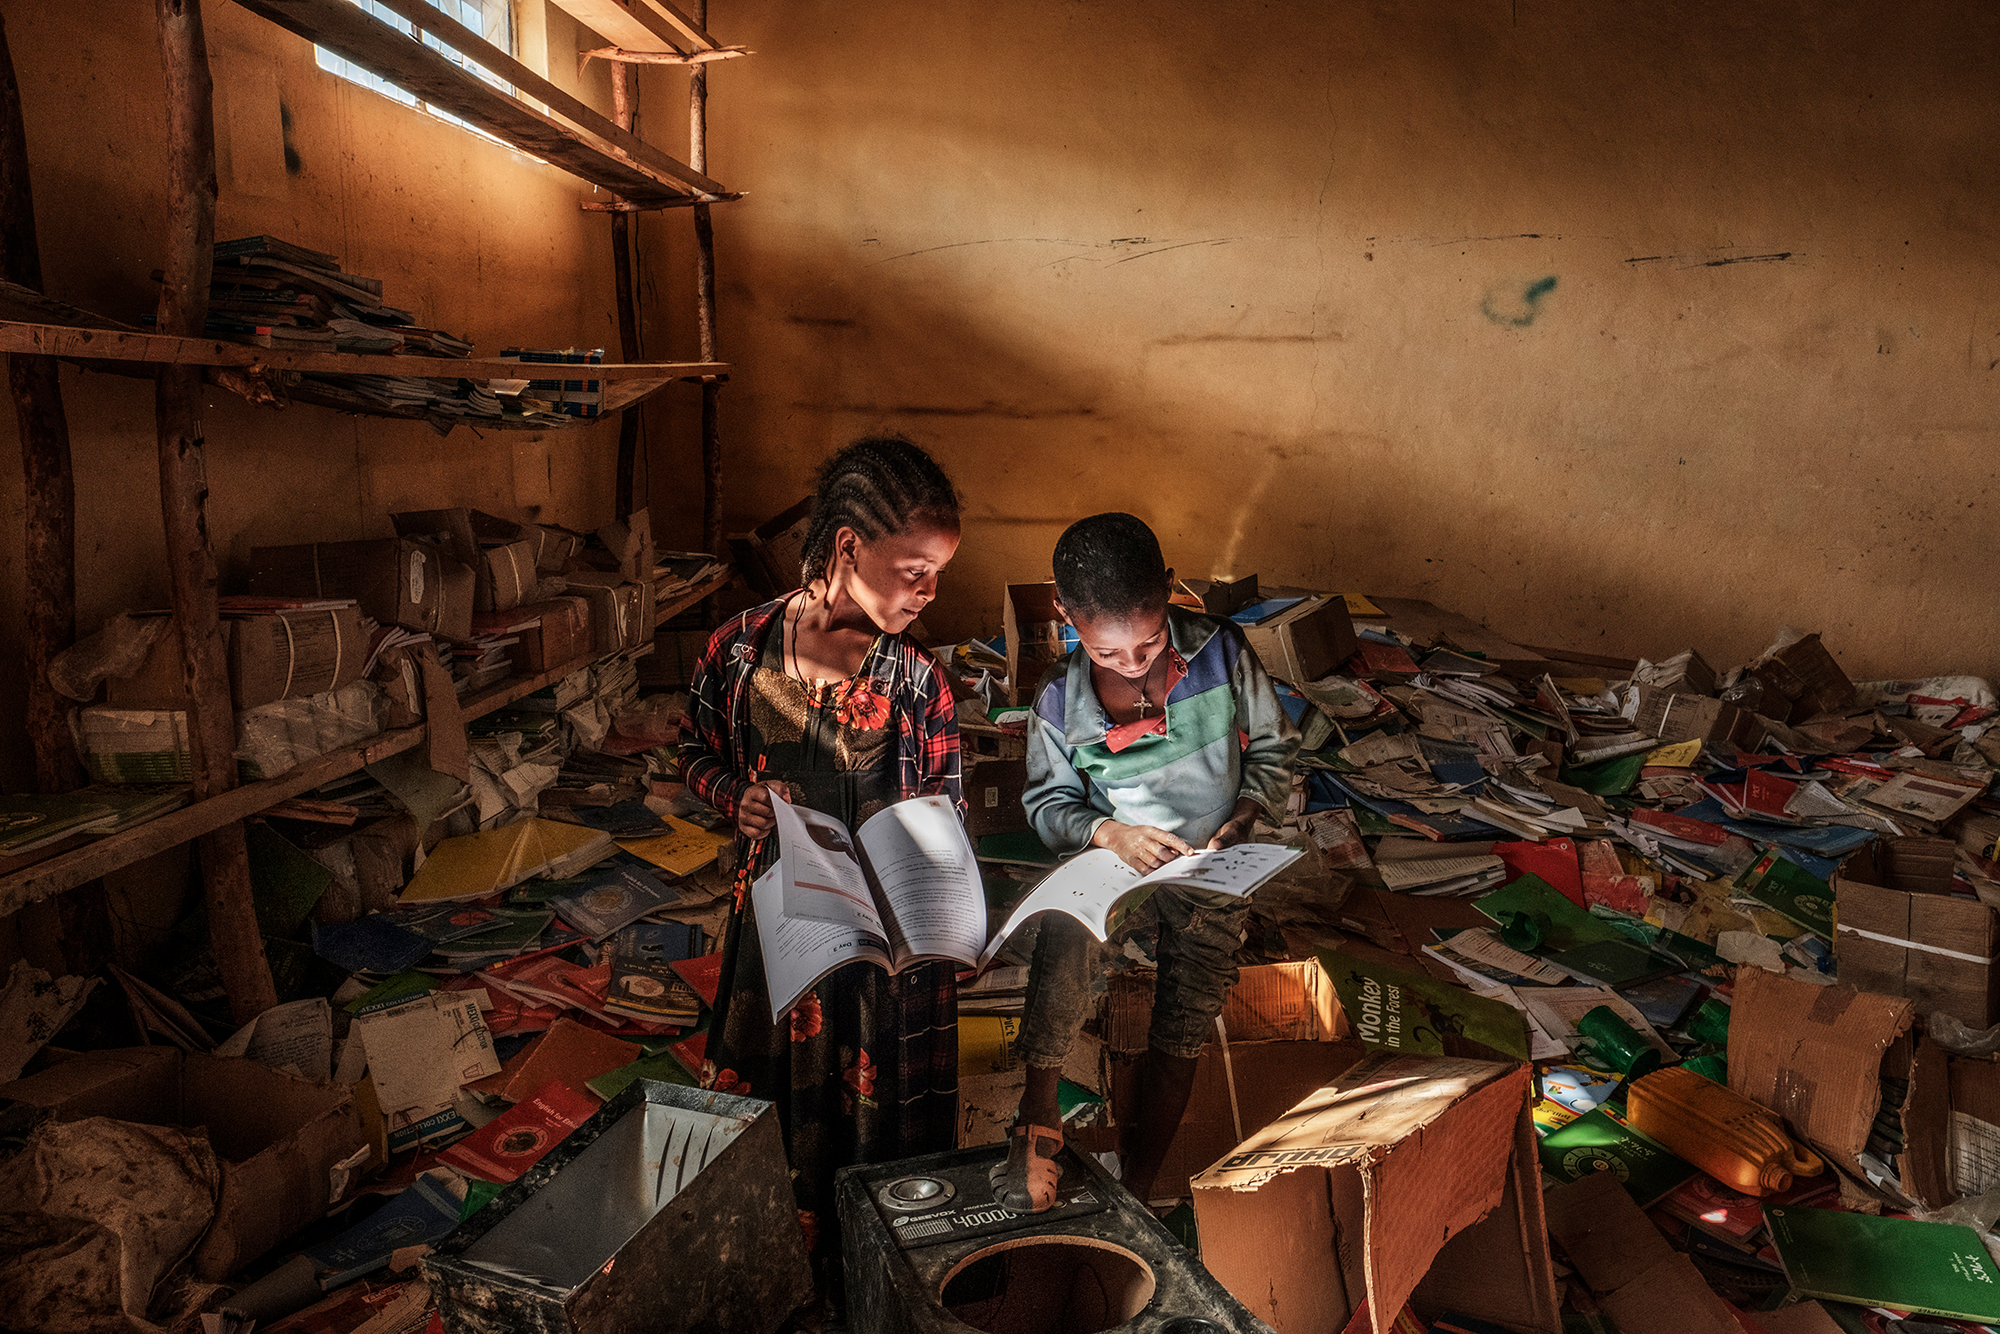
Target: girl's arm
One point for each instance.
(931, 733)
(705, 731)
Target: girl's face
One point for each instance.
(1127, 645)
(894, 577)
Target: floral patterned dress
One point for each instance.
(864, 1067)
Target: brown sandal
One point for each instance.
(1026, 1182)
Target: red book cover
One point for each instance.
(1680, 826)
(704, 974)
(1385, 658)
(1766, 793)
(515, 1140)
(1554, 860)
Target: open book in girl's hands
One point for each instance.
(905, 889)
(1100, 888)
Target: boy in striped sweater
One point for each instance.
(1159, 735)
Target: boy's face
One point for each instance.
(1127, 645)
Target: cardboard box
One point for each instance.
(1034, 630)
(465, 535)
(630, 542)
(1901, 933)
(292, 654)
(993, 790)
(278, 1136)
(1805, 675)
(551, 634)
(510, 576)
(397, 580)
(1403, 1179)
(1817, 1056)
(1304, 643)
(771, 554)
(617, 618)
(1686, 673)
(581, 1244)
(1673, 716)
(1226, 597)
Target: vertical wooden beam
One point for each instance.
(628, 310)
(704, 273)
(191, 573)
(49, 485)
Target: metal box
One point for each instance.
(670, 1209)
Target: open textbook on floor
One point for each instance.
(906, 889)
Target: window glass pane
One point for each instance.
(491, 18)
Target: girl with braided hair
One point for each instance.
(822, 691)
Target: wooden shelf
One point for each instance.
(61, 869)
(81, 344)
(587, 145)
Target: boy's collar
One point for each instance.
(1084, 724)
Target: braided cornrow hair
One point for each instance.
(876, 486)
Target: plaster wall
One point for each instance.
(1619, 326)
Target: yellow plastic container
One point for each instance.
(1734, 1140)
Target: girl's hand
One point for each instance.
(1141, 847)
(1238, 826)
(754, 815)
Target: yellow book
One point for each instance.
(684, 851)
(1359, 605)
(473, 866)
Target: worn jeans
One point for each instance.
(1199, 935)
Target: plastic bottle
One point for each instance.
(1726, 1135)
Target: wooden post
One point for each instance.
(191, 574)
(628, 312)
(704, 274)
(49, 485)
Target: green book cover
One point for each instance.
(1596, 1142)
(1935, 1268)
(1791, 891)
(1404, 1010)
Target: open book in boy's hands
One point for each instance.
(1100, 888)
(903, 890)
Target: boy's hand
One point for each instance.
(754, 814)
(1141, 847)
(1238, 826)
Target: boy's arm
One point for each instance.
(1058, 805)
(1271, 740)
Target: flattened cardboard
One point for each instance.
(1643, 1284)
(1387, 1168)
(1975, 1124)
(1901, 934)
(1033, 628)
(278, 1136)
(1303, 643)
(397, 580)
(1815, 1055)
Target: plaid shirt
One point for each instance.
(716, 758)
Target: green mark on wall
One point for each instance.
(1523, 314)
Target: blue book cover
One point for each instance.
(424, 1212)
